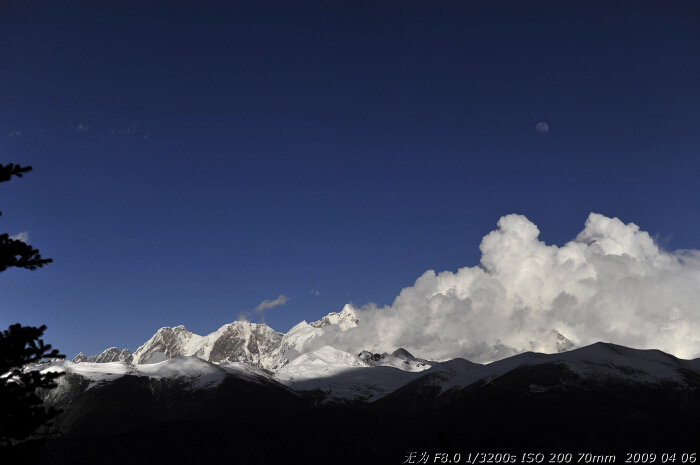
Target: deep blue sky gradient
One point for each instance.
(191, 161)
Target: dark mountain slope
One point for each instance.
(603, 399)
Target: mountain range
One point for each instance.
(240, 341)
(250, 393)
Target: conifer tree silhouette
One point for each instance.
(21, 410)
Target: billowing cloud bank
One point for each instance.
(611, 283)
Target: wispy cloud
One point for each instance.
(23, 236)
(267, 304)
(83, 127)
(133, 131)
(315, 292)
(14, 133)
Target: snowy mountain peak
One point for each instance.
(172, 342)
(240, 341)
(243, 341)
(298, 339)
(110, 355)
(345, 319)
(298, 327)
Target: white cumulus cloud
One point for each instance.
(611, 283)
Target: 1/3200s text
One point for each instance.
(551, 458)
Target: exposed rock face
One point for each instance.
(80, 358)
(246, 342)
(126, 356)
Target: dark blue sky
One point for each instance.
(192, 161)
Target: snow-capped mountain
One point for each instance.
(261, 346)
(241, 341)
(346, 319)
(299, 337)
(368, 377)
(110, 355)
(338, 376)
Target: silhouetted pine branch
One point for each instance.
(7, 171)
(15, 253)
(22, 411)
